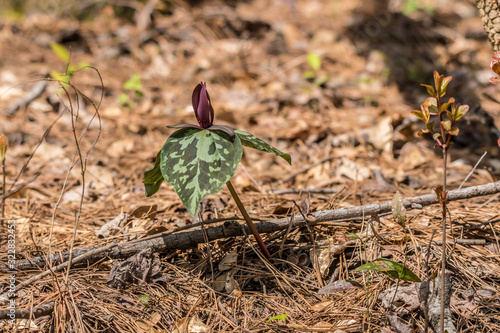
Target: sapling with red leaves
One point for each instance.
(448, 113)
(197, 160)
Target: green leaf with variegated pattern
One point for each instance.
(153, 177)
(198, 163)
(254, 142)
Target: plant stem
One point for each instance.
(443, 252)
(3, 192)
(252, 227)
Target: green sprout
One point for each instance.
(62, 53)
(315, 74)
(133, 87)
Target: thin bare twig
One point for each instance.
(472, 171)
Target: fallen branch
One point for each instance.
(24, 101)
(192, 238)
(39, 311)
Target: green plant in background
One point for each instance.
(198, 160)
(133, 86)
(390, 268)
(410, 6)
(144, 299)
(64, 55)
(315, 74)
(447, 129)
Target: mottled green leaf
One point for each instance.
(254, 142)
(153, 177)
(198, 163)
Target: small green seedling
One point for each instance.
(133, 87)
(144, 299)
(64, 55)
(197, 160)
(314, 74)
(281, 317)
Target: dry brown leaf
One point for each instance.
(320, 306)
(113, 225)
(145, 212)
(229, 261)
(338, 286)
(191, 325)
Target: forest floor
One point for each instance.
(350, 134)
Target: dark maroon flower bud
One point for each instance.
(205, 113)
(202, 107)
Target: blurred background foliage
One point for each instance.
(87, 10)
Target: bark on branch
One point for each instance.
(192, 238)
(490, 15)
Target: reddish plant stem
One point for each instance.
(247, 218)
(3, 192)
(442, 200)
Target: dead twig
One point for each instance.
(29, 97)
(39, 311)
(17, 188)
(192, 238)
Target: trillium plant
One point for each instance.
(197, 160)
